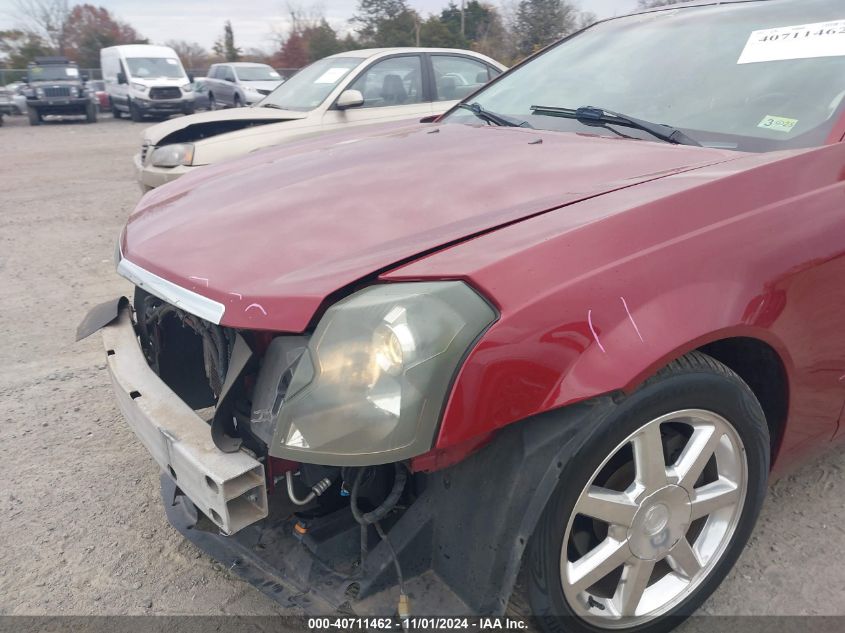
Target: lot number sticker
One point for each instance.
(331, 75)
(823, 39)
(778, 123)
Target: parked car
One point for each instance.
(18, 97)
(542, 332)
(352, 88)
(237, 84)
(99, 96)
(200, 88)
(55, 86)
(144, 80)
(6, 105)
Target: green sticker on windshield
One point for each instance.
(778, 123)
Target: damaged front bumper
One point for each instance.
(229, 488)
(459, 538)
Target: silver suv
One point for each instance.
(239, 84)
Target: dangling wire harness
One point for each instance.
(372, 518)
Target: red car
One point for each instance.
(573, 326)
(99, 94)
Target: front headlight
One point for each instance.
(371, 386)
(173, 155)
(74, 91)
(39, 92)
(138, 87)
(187, 88)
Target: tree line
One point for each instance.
(79, 31)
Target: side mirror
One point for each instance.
(350, 99)
(121, 78)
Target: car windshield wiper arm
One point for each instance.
(272, 105)
(592, 115)
(492, 117)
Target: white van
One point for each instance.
(142, 79)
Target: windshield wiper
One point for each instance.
(272, 105)
(591, 115)
(492, 117)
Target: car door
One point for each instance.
(394, 88)
(455, 77)
(227, 85)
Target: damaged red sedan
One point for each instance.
(571, 327)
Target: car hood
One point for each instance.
(273, 235)
(205, 124)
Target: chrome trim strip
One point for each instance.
(187, 300)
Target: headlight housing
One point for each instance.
(187, 88)
(39, 92)
(138, 86)
(173, 155)
(372, 384)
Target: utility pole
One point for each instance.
(463, 17)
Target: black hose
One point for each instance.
(373, 517)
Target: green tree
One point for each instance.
(478, 19)
(18, 48)
(386, 23)
(322, 40)
(436, 33)
(225, 47)
(538, 23)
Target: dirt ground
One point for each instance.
(82, 530)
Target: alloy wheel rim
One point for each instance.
(654, 519)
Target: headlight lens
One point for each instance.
(139, 87)
(39, 92)
(74, 91)
(173, 155)
(371, 386)
(187, 88)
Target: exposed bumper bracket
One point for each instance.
(229, 488)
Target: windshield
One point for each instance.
(756, 76)
(155, 67)
(53, 73)
(257, 73)
(310, 86)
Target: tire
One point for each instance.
(34, 116)
(115, 111)
(212, 104)
(646, 537)
(236, 102)
(91, 113)
(135, 112)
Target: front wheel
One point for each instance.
(212, 104)
(135, 112)
(655, 508)
(91, 113)
(34, 116)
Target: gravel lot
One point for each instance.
(82, 528)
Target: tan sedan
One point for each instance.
(353, 88)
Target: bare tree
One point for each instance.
(648, 4)
(46, 18)
(193, 55)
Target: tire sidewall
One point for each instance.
(721, 394)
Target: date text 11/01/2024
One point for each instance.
(417, 624)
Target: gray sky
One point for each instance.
(254, 21)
